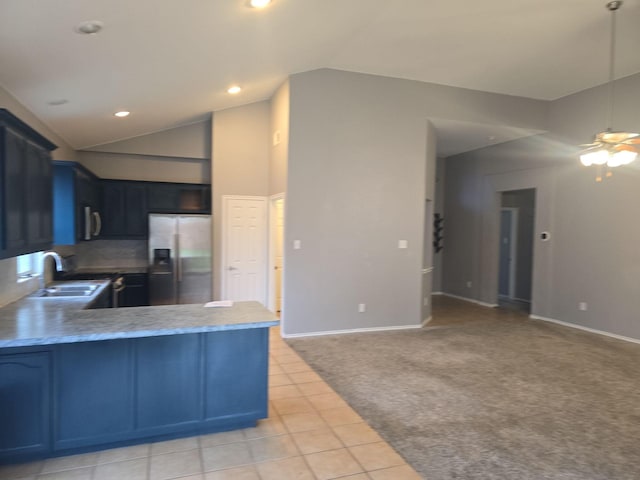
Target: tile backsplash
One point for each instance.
(111, 253)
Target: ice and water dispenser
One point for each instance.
(162, 289)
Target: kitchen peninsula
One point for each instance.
(75, 380)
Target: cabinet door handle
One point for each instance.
(98, 220)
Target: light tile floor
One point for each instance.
(311, 433)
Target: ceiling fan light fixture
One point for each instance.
(598, 157)
(610, 148)
(623, 157)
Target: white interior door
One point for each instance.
(244, 232)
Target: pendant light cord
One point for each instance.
(613, 6)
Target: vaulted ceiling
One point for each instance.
(171, 62)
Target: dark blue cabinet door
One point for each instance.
(236, 374)
(24, 404)
(39, 197)
(169, 382)
(15, 235)
(94, 393)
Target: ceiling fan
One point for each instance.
(611, 148)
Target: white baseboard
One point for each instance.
(437, 293)
(586, 329)
(426, 321)
(522, 300)
(472, 300)
(353, 330)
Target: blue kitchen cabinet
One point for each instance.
(24, 404)
(125, 209)
(74, 189)
(236, 376)
(77, 397)
(168, 382)
(93, 393)
(25, 188)
(165, 197)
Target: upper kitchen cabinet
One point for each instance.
(76, 204)
(179, 198)
(124, 206)
(26, 194)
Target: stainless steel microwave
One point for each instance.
(92, 223)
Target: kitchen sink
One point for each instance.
(69, 290)
(81, 287)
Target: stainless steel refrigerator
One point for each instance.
(179, 259)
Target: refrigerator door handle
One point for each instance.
(178, 258)
(87, 223)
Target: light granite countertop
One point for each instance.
(33, 321)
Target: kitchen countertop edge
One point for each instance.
(95, 337)
(74, 325)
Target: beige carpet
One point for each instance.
(488, 394)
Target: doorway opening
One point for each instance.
(515, 269)
(276, 253)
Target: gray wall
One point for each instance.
(121, 166)
(438, 207)
(473, 184)
(356, 185)
(279, 152)
(427, 224)
(592, 255)
(185, 141)
(177, 155)
(358, 160)
(240, 166)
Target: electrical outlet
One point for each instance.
(425, 301)
(469, 284)
(582, 306)
(297, 244)
(362, 307)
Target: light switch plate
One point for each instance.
(297, 244)
(403, 244)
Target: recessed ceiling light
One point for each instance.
(122, 114)
(90, 27)
(233, 90)
(259, 3)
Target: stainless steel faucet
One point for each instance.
(59, 265)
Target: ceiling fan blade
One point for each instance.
(628, 148)
(616, 137)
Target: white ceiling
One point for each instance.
(170, 62)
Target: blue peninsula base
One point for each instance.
(69, 398)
